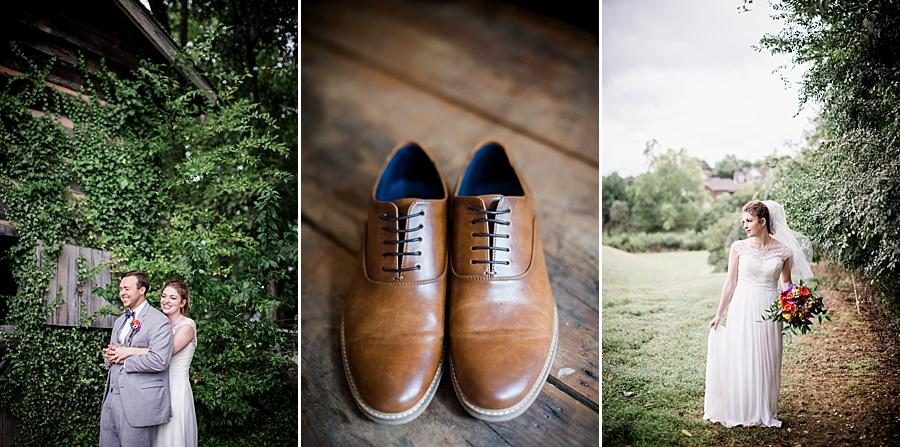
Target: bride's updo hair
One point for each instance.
(759, 210)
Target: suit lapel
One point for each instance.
(117, 327)
(140, 318)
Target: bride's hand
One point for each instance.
(714, 323)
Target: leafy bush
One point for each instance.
(842, 192)
(172, 186)
(644, 242)
(719, 237)
(614, 188)
(670, 196)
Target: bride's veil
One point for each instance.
(800, 246)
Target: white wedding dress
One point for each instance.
(181, 430)
(743, 362)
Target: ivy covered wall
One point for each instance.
(172, 186)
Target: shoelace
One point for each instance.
(401, 240)
(491, 236)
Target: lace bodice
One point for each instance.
(759, 267)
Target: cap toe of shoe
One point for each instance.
(393, 379)
(501, 375)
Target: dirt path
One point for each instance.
(840, 387)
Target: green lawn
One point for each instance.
(655, 310)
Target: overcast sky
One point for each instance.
(684, 73)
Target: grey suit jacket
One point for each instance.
(144, 379)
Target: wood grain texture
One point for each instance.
(330, 417)
(535, 77)
(355, 115)
(103, 279)
(76, 296)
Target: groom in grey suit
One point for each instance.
(137, 398)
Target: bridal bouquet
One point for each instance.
(796, 307)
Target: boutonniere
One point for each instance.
(135, 325)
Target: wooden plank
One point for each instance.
(539, 80)
(70, 254)
(63, 121)
(8, 71)
(103, 280)
(87, 39)
(47, 40)
(84, 300)
(353, 117)
(330, 417)
(8, 229)
(64, 283)
(56, 287)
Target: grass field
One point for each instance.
(840, 384)
(655, 313)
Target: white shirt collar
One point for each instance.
(140, 308)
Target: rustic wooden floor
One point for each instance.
(447, 75)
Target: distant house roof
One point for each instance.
(719, 184)
(749, 174)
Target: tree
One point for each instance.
(614, 188)
(618, 215)
(842, 191)
(257, 41)
(727, 166)
(670, 197)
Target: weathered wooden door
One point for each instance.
(78, 296)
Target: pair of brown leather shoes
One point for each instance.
(502, 317)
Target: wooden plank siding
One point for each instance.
(377, 73)
(77, 296)
(64, 31)
(113, 35)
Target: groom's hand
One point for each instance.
(110, 352)
(119, 354)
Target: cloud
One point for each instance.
(685, 73)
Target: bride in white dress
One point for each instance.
(743, 363)
(181, 430)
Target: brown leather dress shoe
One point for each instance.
(503, 324)
(392, 331)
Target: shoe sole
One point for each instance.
(390, 418)
(516, 410)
